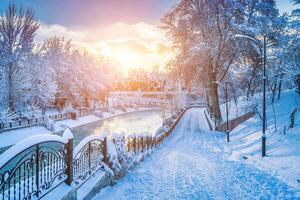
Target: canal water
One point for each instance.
(135, 122)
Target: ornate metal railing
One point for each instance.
(88, 156)
(31, 168)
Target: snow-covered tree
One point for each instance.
(42, 81)
(17, 30)
(203, 32)
(35, 76)
(80, 77)
(56, 52)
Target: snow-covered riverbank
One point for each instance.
(9, 138)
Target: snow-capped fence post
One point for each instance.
(104, 150)
(145, 142)
(151, 142)
(131, 144)
(128, 144)
(142, 143)
(69, 156)
(148, 142)
(137, 143)
(134, 144)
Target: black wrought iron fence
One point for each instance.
(88, 156)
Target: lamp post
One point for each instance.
(227, 111)
(227, 123)
(263, 58)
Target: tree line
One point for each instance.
(140, 79)
(33, 76)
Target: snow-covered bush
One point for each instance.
(31, 111)
(113, 156)
(169, 121)
(123, 108)
(110, 109)
(6, 116)
(69, 108)
(50, 124)
(99, 114)
(118, 138)
(161, 130)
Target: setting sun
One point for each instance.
(139, 45)
(125, 57)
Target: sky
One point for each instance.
(124, 30)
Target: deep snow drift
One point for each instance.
(193, 164)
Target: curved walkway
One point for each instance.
(192, 165)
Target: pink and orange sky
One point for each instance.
(123, 30)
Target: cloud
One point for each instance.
(162, 49)
(147, 42)
(48, 31)
(131, 45)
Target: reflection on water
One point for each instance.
(144, 121)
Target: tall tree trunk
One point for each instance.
(208, 103)
(279, 87)
(274, 90)
(251, 81)
(10, 87)
(214, 96)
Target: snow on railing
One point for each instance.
(234, 122)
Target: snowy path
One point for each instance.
(192, 164)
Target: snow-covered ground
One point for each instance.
(9, 138)
(283, 151)
(194, 163)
